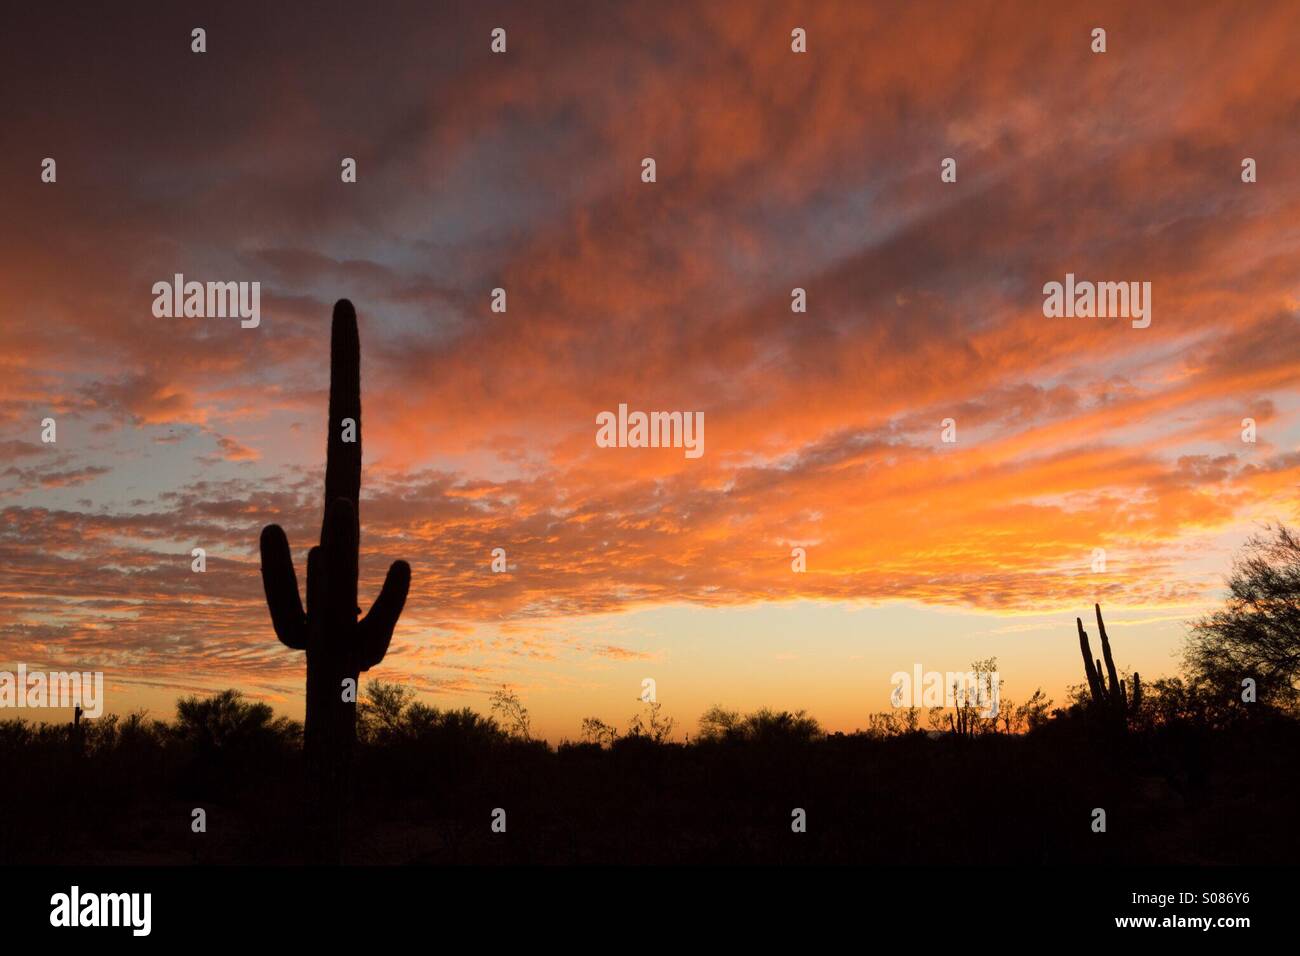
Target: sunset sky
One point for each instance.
(775, 170)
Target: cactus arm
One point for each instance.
(1116, 692)
(1112, 698)
(1093, 677)
(281, 586)
(375, 630)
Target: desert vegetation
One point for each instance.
(1193, 768)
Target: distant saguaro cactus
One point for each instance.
(338, 645)
(78, 732)
(1109, 697)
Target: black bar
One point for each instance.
(211, 905)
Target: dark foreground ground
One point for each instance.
(1175, 794)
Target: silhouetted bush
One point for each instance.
(1190, 782)
(764, 726)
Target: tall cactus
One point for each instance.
(1108, 697)
(78, 731)
(338, 645)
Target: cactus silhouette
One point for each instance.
(1109, 697)
(338, 645)
(78, 731)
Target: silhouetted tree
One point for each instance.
(462, 728)
(1257, 633)
(718, 722)
(1022, 718)
(654, 726)
(227, 722)
(974, 712)
(383, 710)
(896, 723)
(513, 713)
(763, 726)
(596, 731)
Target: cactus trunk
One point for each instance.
(1109, 697)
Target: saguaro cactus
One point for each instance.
(1109, 697)
(78, 731)
(338, 645)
